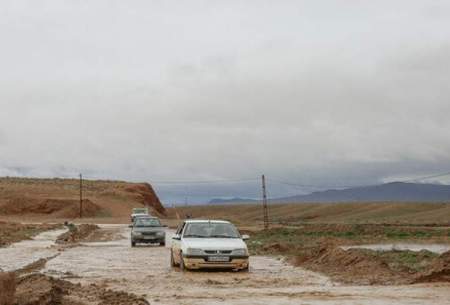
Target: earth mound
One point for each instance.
(147, 196)
(38, 289)
(7, 288)
(77, 233)
(59, 198)
(63, 208)
(438, 272)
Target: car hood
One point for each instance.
(148, 229)
(215, 243)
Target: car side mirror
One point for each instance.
(176, 237)
(130, 226)
(245, 237)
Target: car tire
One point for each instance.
(182, 266)
(172, 261)
(133, 244)
(163, 243)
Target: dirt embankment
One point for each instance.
(15, 232)
(147, 196)
(38, 289)
(318, 248)
(351, 266)
(7, 288)
(77, 233)
(367, 267)
(59, 198)
(58, 208)
(439, 271)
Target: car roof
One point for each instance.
(205, 220)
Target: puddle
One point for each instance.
(20, 254)
(436, 248)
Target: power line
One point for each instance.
(315, 186)
(203, 181)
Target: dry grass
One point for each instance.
(295, 214)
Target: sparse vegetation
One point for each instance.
(295, 215)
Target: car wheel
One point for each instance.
(182, 266)
(163, 243)
(172, 261)
(133, 244)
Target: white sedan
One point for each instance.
(209, 244)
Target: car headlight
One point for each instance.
(240, 252)
(137, 233)
(194, 251)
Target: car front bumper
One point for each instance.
(200, 262)
(148, 240)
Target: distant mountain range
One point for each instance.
(230, 200)
(394, 191)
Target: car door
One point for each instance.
(176, 244)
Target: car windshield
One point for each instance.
(211, 230)
(140, 211)
(147, 222)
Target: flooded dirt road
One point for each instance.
(20, 254)
(145, 271)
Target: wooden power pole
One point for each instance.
(266, 213)
(81, 196)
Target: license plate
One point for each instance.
(218, 259)
(149, 237)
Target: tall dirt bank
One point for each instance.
(59, 198)
(147, 195)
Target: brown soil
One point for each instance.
(351, 266)
(38, 289)
(367, 267)
(60, 208)
(77, 233)
(14, 232)
(147, 196)
(7, 288)
(40, 199)
(438, 272)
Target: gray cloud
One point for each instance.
(318, 92)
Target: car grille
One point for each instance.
(218, 251)
(149, 233)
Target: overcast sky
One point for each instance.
(312, 92)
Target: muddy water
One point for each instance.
(436, 248)
(145, 271)
(25, 252)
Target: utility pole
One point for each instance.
(81, 196)
(266, 213)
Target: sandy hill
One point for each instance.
(59, 198)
